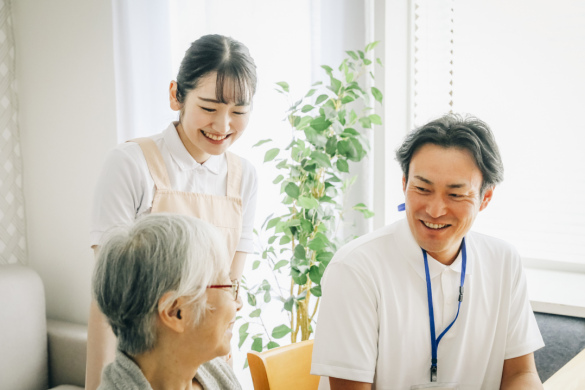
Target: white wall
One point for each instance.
(65, 73)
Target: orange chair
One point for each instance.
(283, 368)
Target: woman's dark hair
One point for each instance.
(453, 131)
(224, 55)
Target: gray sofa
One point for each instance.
(36, 353)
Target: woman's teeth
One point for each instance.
(214, 137)
(434, 225)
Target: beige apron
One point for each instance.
(225, 212)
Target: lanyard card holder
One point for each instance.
(436, 386)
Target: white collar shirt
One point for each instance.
(373, 323)
(125, 188)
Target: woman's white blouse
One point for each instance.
(125, 189)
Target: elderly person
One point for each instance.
(163, 284)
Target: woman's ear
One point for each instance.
(172, 315)
(175, 104)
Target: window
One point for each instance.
(519, 67)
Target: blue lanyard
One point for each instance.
(435, 341)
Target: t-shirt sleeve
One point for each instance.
(523, 335)
(346, 339)
(249, 195)
(118, 194)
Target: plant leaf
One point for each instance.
(377, 94)
(316, 291)
(257, 344)
(304, 122)
(321, 99)
(292, 190)
(331, 146)
(255, 313)
(315, 275)
(288, 304)
(320, 123)
(278, 179)
(310, 93)
(350, 132)
(300, 252)
(375, 119)
(251, 299)
(243, 334)
(307, 108)
(261, 142)
(342, 165)
(366, 122)
(371, 45)
(308, 203)
(335, 85)
(280, 331)
(321, 158)
(352, 55)
(328, 69)
(324, 257)
(271, 154)
(283, 85)
(272, 223)
(280, 264)
(256, 264)
(347, 99)
(272, 345)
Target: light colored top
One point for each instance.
(125, 189)
(222, 211)
(124, 374)
(373, 323)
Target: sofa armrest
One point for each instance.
(67, 353)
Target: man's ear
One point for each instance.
(172, 316)
(487, 197)
(403, 183)
(175, 105)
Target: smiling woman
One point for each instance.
(187, 169)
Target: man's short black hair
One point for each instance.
(454, 131)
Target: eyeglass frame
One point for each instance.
(235, 286)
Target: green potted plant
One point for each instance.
(329, 126)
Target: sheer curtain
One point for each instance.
(143, 67)
(12, 223)
(519, 67)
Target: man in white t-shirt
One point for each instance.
(424, 302)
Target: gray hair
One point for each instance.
(140, 263)
(454, 131)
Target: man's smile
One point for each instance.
(435, 226)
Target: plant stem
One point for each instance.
(315, 309)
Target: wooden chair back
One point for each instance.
(283, 368)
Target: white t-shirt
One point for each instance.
(373, 323)
(125, 189)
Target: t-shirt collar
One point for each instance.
(413, 254)
(181, 155)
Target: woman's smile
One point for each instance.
(215, 138)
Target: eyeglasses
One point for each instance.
(235, 286)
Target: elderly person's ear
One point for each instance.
(172, 315)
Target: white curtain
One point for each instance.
(143, 67)
(522, 73)
(12, 222)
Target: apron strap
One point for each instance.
(234, 174)
(155, 162)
